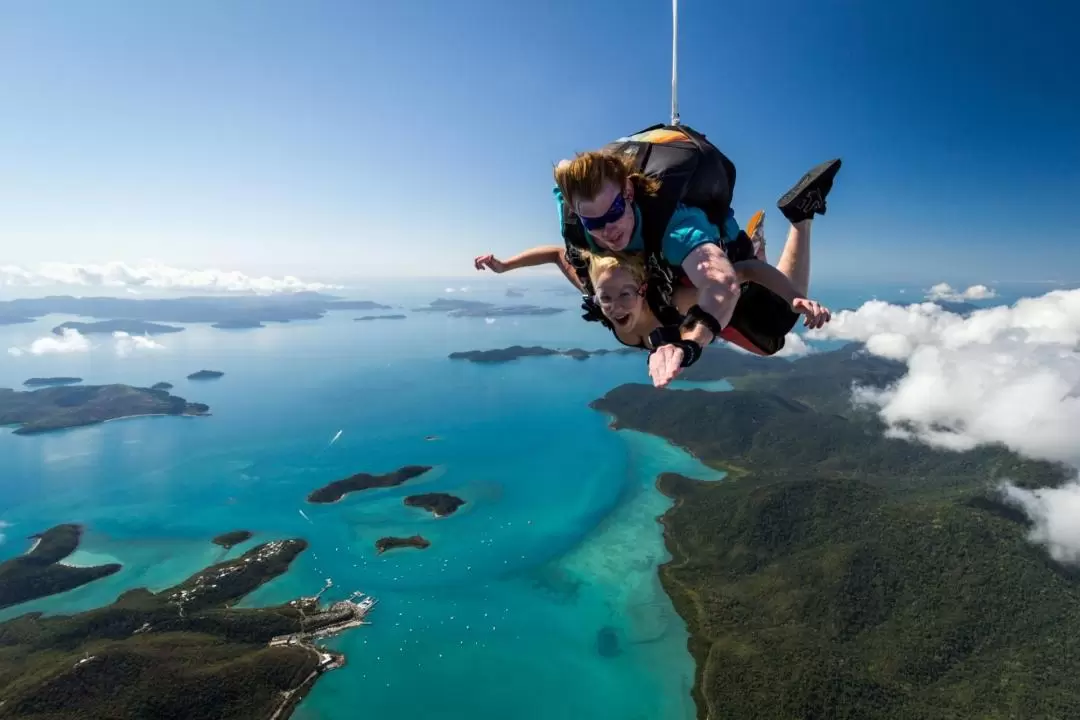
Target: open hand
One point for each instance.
(816, 313)
(491, 262)
(665, 364)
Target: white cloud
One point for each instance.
(126, 344)
(3, 526)
(150, 275)
(70, 341)
(489, 321)
(944, 291)
(794, 346)
(1056, 512)
(1008, 374)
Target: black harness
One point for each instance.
(693, 172)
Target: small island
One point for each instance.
(367, 318)
(506, 311)
(230, 540)
(55, 408)
(185, 652)
(502, 355)
(356, 305)
(363, 481)
(390, 543)
(14, 320)
(108, 327)
(279, 307)
(39, 572)
(162, 386)
(51, 381)
(438, 504)
(448, 304)
(514, 293)
(477, 308)
(238, 324)
(205, 375)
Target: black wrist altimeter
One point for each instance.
(696, 316)
(669, 335)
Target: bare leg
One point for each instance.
(799, 205)
(795, 259)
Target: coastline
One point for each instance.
(629, 550)
(142, 415)
(682, 603)
(697, 645)
(653, 670)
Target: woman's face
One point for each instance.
(609, 217)
(620, 296)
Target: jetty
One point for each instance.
(336, 618)
(318, 623)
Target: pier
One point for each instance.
(315, 624)
(338, 617)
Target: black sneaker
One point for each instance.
(807, 197)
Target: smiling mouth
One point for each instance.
(622, 320)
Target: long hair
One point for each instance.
(599, 263)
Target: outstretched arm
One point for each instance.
(541, 255)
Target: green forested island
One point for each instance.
(108, 327)
(39, 572)
(230, 540)
(205, 375)
(54, 408)
(184, 652)
(514, 352)
(390, 543)
(338, 489)
(837, 573)
(49, 381)
(438, 504)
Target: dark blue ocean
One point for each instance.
(500, 617)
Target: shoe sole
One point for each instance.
(828, 169)
(755, 220)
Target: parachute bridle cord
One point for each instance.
(674, 62)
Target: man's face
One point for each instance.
(609, 217)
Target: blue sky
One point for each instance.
(403, 138)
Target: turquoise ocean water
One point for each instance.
(557, 545)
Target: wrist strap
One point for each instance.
(696, 316)
(669, 335)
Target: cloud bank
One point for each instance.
(794, 346)
(1008, 374)
(127, 344)
(944, 291)
(151, 275)
(72, 341)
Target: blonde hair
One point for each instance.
(599, 263)
(583, 177)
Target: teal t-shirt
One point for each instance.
(687, 228)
